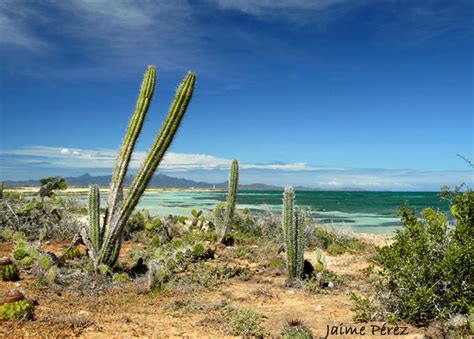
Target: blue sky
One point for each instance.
(375, 94)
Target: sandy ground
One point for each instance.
(127, 311)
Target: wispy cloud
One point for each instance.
(105, 159)
(109, 34)
(24, 163)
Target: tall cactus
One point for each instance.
(231, 197)
(104, 241)
(293, 231)
(94, 217)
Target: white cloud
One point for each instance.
(21, 163)
(259, 7)
(105, 158)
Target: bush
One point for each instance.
(243, 322)
(427, 273)
(335, 243)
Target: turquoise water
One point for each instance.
(367, 212)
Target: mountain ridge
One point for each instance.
(163, 181)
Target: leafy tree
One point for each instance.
(51, 184)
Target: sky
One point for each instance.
(373, 94)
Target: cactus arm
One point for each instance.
(288, 229)
(231, 197)
(129, 141)
(299, 242)
(94, 216)
(145, 173)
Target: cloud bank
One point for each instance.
(37, 161)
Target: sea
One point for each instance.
(366, 212)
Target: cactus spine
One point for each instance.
(104, 241)
(293, 231)
(231, 197)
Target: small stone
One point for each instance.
(5, 261)
(13, 295)
(330, 284)
(457, 321)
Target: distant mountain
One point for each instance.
(158, 181)
(165, 181)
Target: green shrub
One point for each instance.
(428, 272)
(7, 234)
(243, 322)
(44, 262)
(296, 329)
(120, 277)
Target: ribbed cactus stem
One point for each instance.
(129, 141)
(289, 229)
(231, 198)
(145, 173)
(299, 246)
(94, 216)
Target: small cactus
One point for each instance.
(8, 270)
(320, 265)
(16, 307)
(293, 231)
(231, 198)
(72, 253)
(196, 217)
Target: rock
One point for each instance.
(330, 284)
(457, 321)
(5, 261)
(12, 296)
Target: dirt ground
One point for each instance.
(126, 310)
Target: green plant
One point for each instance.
(104, 240)
(154, 224)
(49, 185)
(44, 262)
(20, 252)
(7, 234)
(295, 328)
(9, 272)
(320, 263)
(242, 321)
(52, 275)
(27, 261)
(72, 253)
(18, 310)
(293, 230)
(196, 217)
(427, 271)
(364, 308)
(231, 197)
(120, 277)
